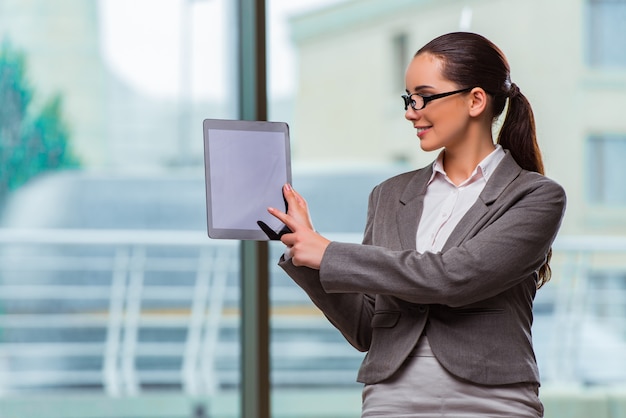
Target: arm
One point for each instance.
(350, 313)
(506, 246)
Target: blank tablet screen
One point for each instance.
(246, 165)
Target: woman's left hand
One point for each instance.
(305, 245)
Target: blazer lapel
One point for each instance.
(504, 174)
(412, 200)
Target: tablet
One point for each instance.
(246, 165)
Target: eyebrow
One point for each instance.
(418, 88)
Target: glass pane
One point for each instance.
(606, 33)
(313, 367)
(333, 70)
(110, 289)
(606, 159)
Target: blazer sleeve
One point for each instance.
(350, 312)
(506, 245)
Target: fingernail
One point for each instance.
(288, 187)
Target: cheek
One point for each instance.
(456, 128)
(453, 121)
(450, 130)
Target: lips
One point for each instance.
(421, 131)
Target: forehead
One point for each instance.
(425, 70)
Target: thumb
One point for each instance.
(297, 206)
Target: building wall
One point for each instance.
(113, 125)
(349, 105)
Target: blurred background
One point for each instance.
(114, 302)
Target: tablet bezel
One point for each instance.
(247, 231)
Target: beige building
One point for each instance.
(564, 55)
(113, 125)
(567, 56)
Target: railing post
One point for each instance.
(131, 320)
(111, 364)
(192, 356)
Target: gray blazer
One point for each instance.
(473, 299)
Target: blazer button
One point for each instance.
(422, 309)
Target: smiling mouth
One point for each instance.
(422, 130)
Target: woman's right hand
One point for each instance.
(305, 245)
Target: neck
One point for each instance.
(460, 162)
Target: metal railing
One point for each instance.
(75, 303)
(131, 311)
(586, 340)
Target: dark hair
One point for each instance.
(471, 60)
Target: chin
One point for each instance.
(429, 147)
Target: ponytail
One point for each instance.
(519, 136)
(518, 133)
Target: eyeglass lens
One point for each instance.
(415, 101)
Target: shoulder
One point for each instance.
(415, 180)
(536, 194)
(400, 179)
(540, 183)
(513, 181)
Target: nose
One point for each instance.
(411, 114)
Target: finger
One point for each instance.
(289, 190)
(299, 199)
(284, 218)
(290, 196)
(289, 241)
(277, 213)
(296, 205)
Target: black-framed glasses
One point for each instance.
(420, 101)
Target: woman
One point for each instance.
(440, 293)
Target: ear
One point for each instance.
(477, 101)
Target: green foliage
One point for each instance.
(32, 140)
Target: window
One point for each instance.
(126, 93)
(400, 48)
(606, 33)
(606, 155)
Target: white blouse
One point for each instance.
(445, 203)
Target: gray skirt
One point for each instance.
(423, 388)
